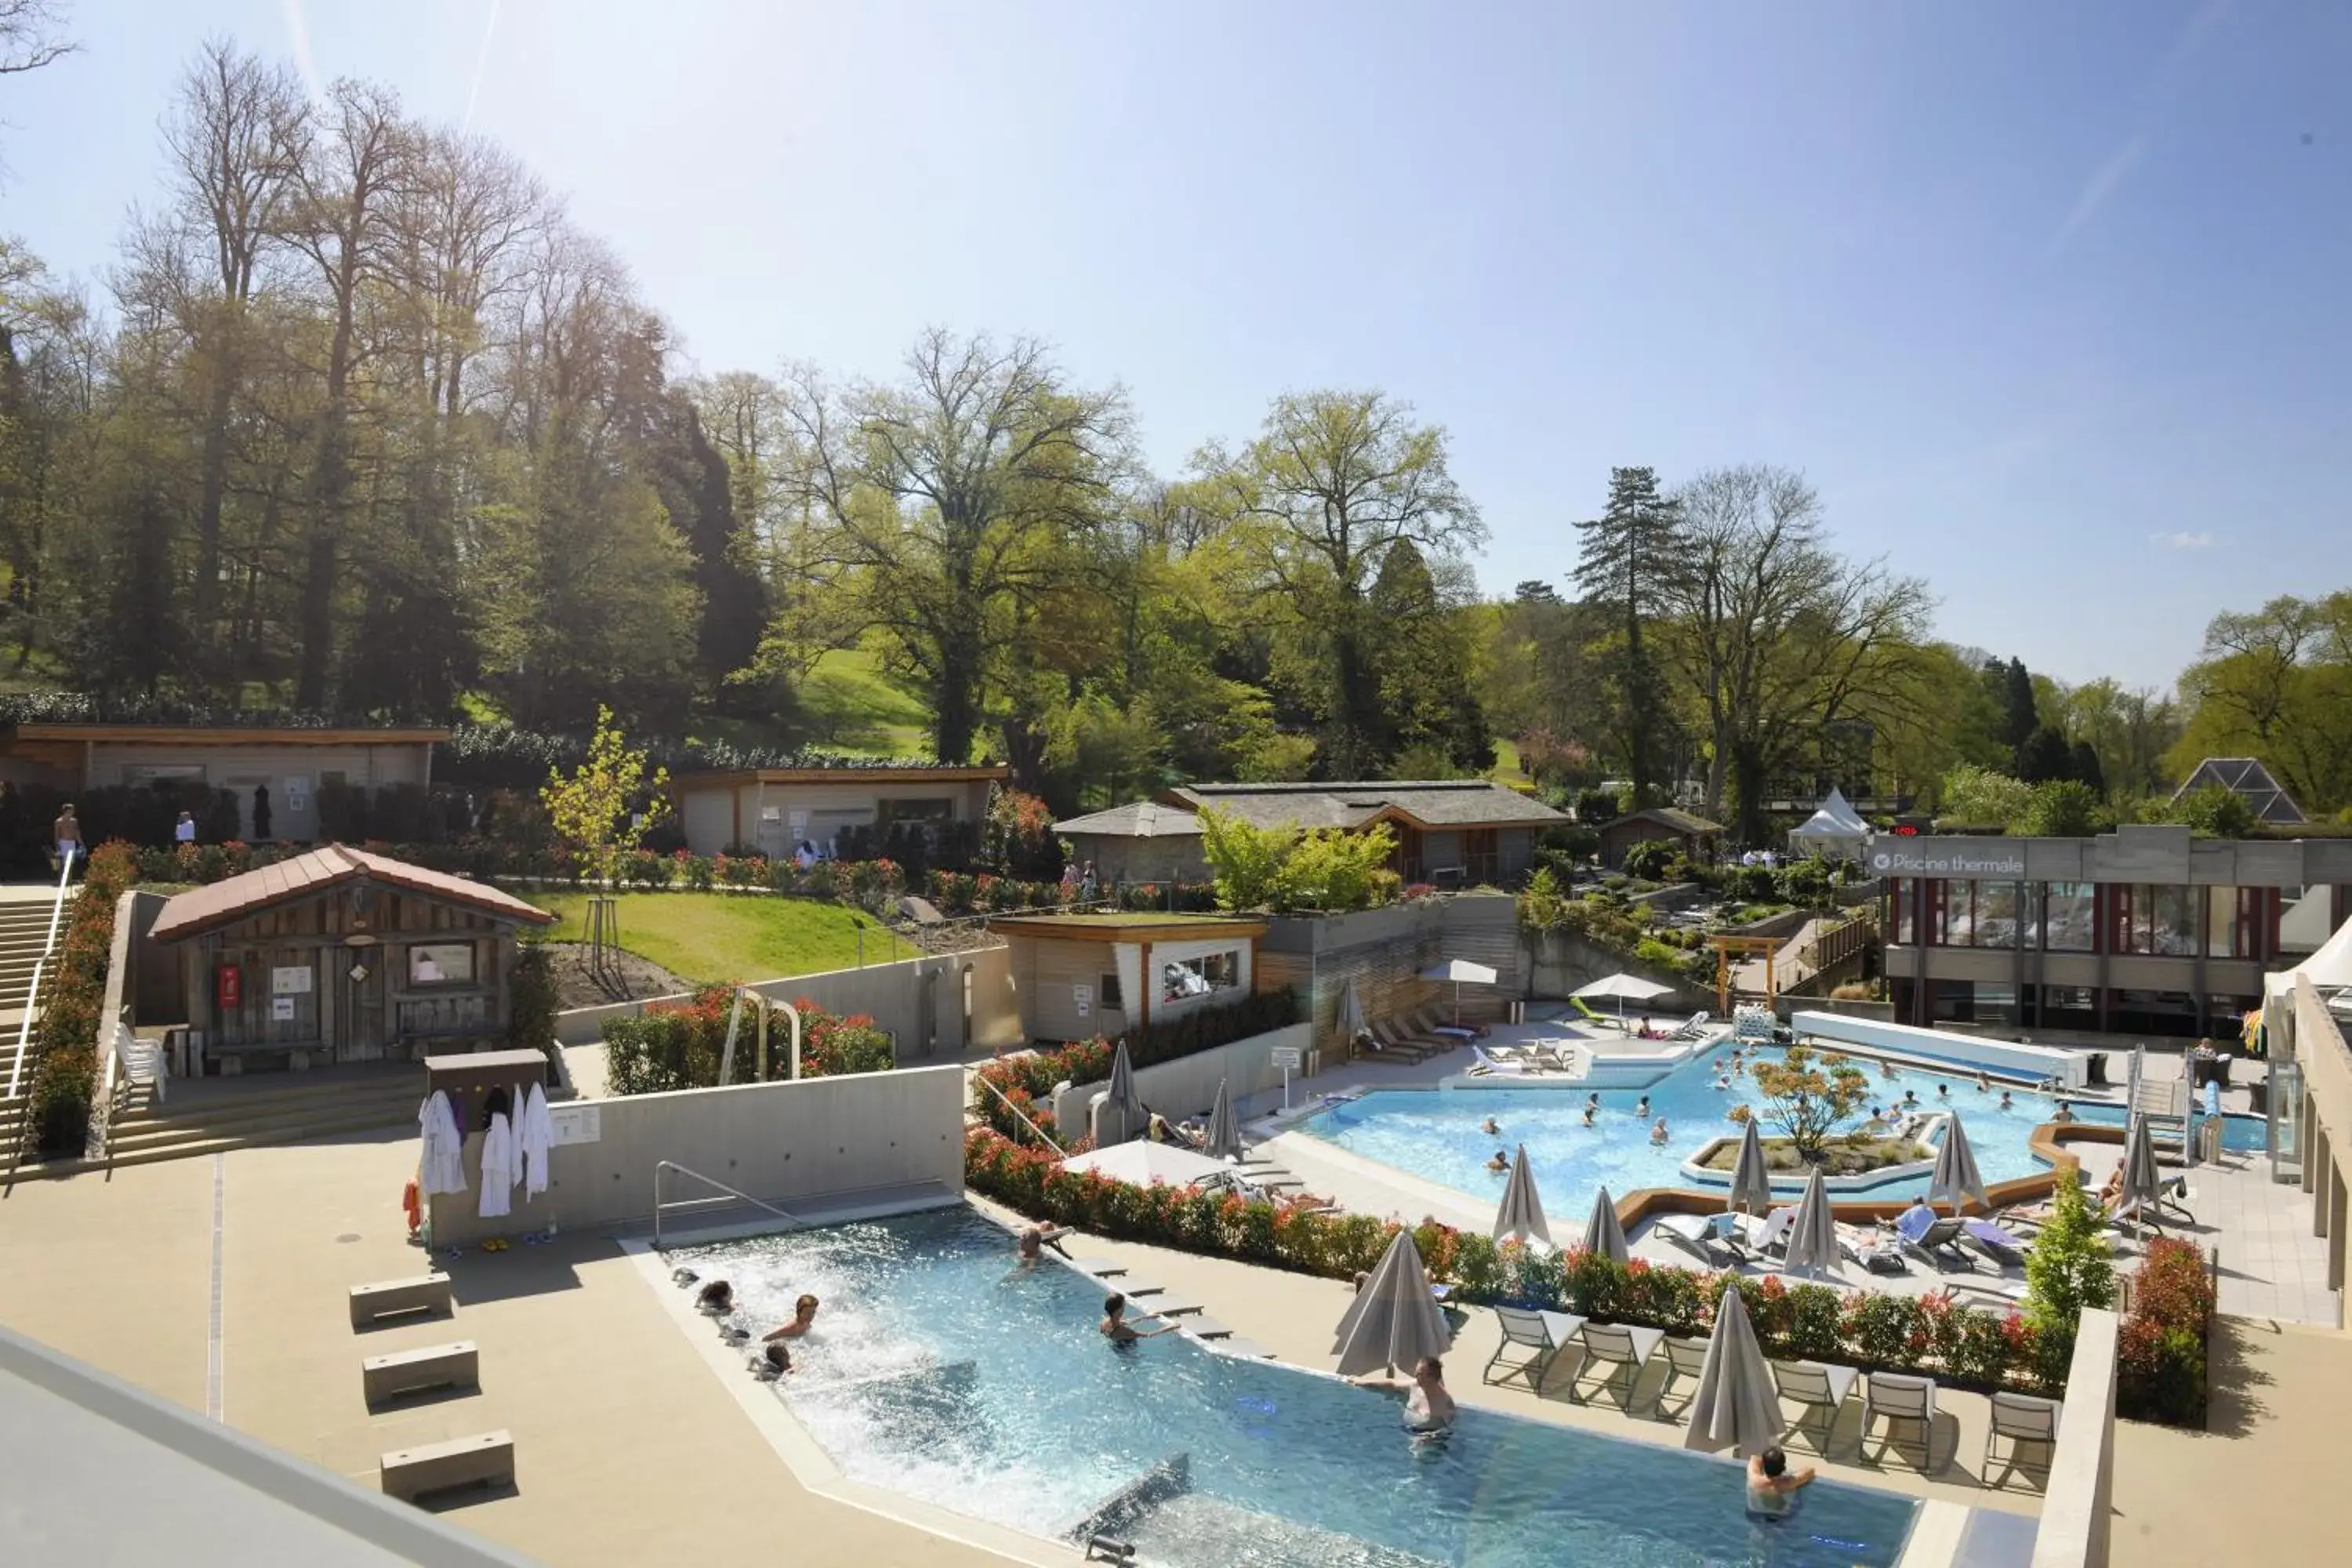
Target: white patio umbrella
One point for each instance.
(1736, 1401)
(1459, 970)
(1751, 1179)
(1144, 1162)
(2142, 1181)
(1812, 1235)
(1622, 988)
(1120, 1096)
(1351, 1014)
(1521, 1214)
(1393, 1321)
(1225, 1139)
(1602, 1234)
(1956, 1177)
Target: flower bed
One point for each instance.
(677, 1045)
(2160, 1354)
(73, 999)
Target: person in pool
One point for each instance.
(717, 1297)
(2064, 1112)
(775, 1361)
(1910, 1098)
(1592, 1101)
(1428, 1406)
(1500, 1162)
(2007, 1103)
(1115, 1327)
(1642, 1108)
(1658, 1132)
(1490, 1129)
(1772, 1487)
(1943, 1091)
(1984, 1081)
(1033, 1241)
(1723, 1080)
(1885, 1069)
(803, 1319)
(1589, 1113)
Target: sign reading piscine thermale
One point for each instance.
(1929, 858)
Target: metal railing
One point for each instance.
(661, 1207)
(33, 993)
(1042, 1136)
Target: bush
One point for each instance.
(678, 1046)
(2067, 1269)
(65, 1042)
(1805, 883)
(1653, 859)
(2161, 1360)
(1752, 884)
(2064, 808)
(532, 1003)
(2214, 811)
(1596, 806)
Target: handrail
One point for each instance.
(661, 1165)
(33, 993)
(1016, 1111)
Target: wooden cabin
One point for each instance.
(339, 955)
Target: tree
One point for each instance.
(2086, 770)
(1246, 860)
(950, 502)
(1971, 796)
(2021, 714)
(2277, 685)
(31, 34)
(1428, 699)
(1335, 869)
(2214, 810)
(1631, 560)
(2062, 809)
(2129, 733)
(1333, 484)
(2066, 1270)
(1806, 1097)
(609, 802)
(2045, 756)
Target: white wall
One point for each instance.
(2076, 1499)
(1188, 1084)
(780, 1142)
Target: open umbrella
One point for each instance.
(1393, 1321)
(2142, 1181)
(1224, 1139)
(1143, 1163)
(1736, 1401)
(1622, 988)
(1602, 1234)
(1812, 1235)
(1521, 1215)
(1120, 1097)
(1956, 1177)
(1459, 970)
(1751, 1179)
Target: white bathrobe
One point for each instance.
(497, 1168)
(535, 1135)
(440, 1166)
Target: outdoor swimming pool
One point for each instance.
(941, 1371)
(1435, 1133)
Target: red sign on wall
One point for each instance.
(228, 988)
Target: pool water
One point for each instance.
(1435, 1133)
(939, 1370)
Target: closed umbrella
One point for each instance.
(1457, 970)
(1812, 1235)
(1121, 1097)
(2141, 1179)
(1602, 1234)
(1353, 1026)
(1622, 988)
(1751, 1179)
(1393, 1321)
(1736, 1402)
(1521, 1215)
(1956, 1177)
(1224, 1139)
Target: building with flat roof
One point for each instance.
(774, 810)
(1457, 831)
(2142, 931)
(1083, 975)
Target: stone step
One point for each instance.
(155, 1126)
(193, 1150)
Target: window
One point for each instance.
(1478, 854)
(1996, 917)
(441, 963)
(2069, 917)
(1183, 979)
(1107, 987)
(2155, 919)
(2233, 922)
(1905, 890)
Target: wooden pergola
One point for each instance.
(1762, 947)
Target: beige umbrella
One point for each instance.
(1393, 1321)
(1812, 1236)
(1751, 1179)
(1521, 1214)
(1602, 1234)
(1736, 1402)
(1956, 1176)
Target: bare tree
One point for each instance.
(31, 34)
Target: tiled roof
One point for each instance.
(1136, 819)
(225, 903)
(1435, 802)
(1670, 816)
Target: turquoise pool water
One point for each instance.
(941, 1371)
(1435, 1133)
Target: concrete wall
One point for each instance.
(1188, 1084)
(2324, 1136)
(781, 1142)
(894, 994)
(1382, 953)
(1560, 963)
(2136, 852)
(2076, 1504)
(744, 811)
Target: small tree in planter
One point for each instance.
(2067, 1270)
(1805, 1098)
(590, 811)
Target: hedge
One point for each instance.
(2160, 1352)
(73, 1003)
(1961, 1347)
(681, 1044)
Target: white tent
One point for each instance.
(2332, 965)
(1835, 829)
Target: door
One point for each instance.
(364, 1016)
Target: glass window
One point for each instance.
(1996, 918)
(1185, 978)
(1107, 989)
(1905, 889)
(2175, 921)
(2069, 917)
(2221, 922)
(441, 963)
(1959, 925)
(1995, 1004)
(887, 811)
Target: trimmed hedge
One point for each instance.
(73, 1003)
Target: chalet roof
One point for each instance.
(1137, 819)
(2248, 779)
(201, 910)
(860, 773)
(1432, 802)
(1668, 816)
(223, 734)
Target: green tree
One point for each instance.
(1335, 869)
(2021, 712)
(2277, 685)
(1806, 1097)
(610, 801)
(1428, 685)
(2214, 810)
(2066, 1270)
(1246, 860)
(2045, 756)
(1971, 796)
(2062, 809)
(1631, 560)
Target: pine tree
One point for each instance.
(1628, 559)
(2018, 706)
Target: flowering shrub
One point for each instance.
(73, 1000)
(682, 1045)
(2160, 1354)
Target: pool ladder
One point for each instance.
(661, 1207)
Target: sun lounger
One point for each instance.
(1901, 1399)
(2002, 1247)
(1623, 1349)
(1692, 1028)
(1387, 1042)
(1939, 1242)
(1713, 1238)
(1818, 1390)
(1872, 1251)
(1425, 1024)
(2026, 1422)
(1584, 1010)
(1543, 1335)
(1488, 1062)
(1771, 1234)
(1685, 1358)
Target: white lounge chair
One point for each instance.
(1771, 1234)
(1715, 1240)
(2024, 1421)
(1692, 1028)
(1685, 1358)
(1623, 1349)
(1815, 1387)
(1872, 1249)
(1488, 1062)
(1899, 1398)
(1544, 1334)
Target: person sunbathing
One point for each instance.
(2112, 1189)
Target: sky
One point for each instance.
(2048, 302)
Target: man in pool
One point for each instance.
(1658, 1134)
(716, 1299)
(1033, 1241)
(1642, 1109)
(1589, 1113)
(2064, 1112)
(1428, 1408)
(1910, 1099)
(803, 1319)
(1772, 1487)
(1943, 1091)
(1115, 1327)
(1499, 1162)
(1490, 1128)
(2007, 1103)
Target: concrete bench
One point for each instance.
(484, 1459)
(454, 1365)
(392, 1297)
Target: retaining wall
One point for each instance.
(781, 1142)
(2077, 1502)
(1177, 1089)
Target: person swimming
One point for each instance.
(1490, 1128)
(1910, 1098)
(2064, 1112)
(1658, 1132)
(1943, 1091)
(1589, 1113)
(1984, 1081)
(717, 1297)
(803, 1319)
(1115, 1327)
(1772, 1487)
(2007, 1103)
(1500, 1162)
(1723, 1080)
(1641, 1108)
(1428, 1404)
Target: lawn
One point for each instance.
(733, 936)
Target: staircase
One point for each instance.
(208, 1117)
(24, 931)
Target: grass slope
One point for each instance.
(732, 937)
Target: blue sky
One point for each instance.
(2050, 303)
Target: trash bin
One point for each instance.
(2097, 1070)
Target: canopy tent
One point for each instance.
(2331, 966)
(1459, 971)
(1835, 829)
